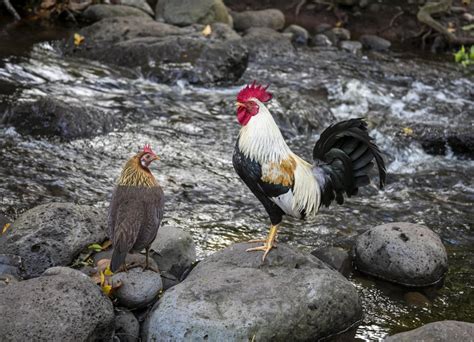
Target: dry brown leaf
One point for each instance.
(78, 39)
(5, 228)
(207, 31)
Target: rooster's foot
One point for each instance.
(269, 243)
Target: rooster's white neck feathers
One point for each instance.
(261, 140)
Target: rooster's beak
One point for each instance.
(240, 104)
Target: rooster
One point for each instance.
(136, 209)
(288, 185)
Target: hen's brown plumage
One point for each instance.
(136, 209)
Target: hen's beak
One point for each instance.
(240, 104)
(155, 158)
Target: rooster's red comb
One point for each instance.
(256, 91)
(147, 149)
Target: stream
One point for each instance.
(193, 129)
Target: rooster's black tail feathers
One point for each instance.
(343, 157)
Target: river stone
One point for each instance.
(336, 257)
(263, 42)
(187, 12)
(442, 331)
(55, 308)
(163, 51)
(53, 235)
(341, 33)
(321, 40)
(373, 42)
(127, 328)
(271, 18)
(49, 117)
(299, 35)
(404, 253)
(101, 11)
(233, 296)
(139, 288)
(174, 251)
(351, 46)
(140, 4)
(11, 264)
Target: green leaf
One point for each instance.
(471, 53)
(96, 247)
(458, 56)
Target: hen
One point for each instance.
(136, 209)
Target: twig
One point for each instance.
(395, 17)
(298, 7)
(11, 9)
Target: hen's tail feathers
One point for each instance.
(119, 254)
(343, 157)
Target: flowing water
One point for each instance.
(194, 129)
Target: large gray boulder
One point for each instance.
(271, 18)
(187, 12)
(49, 117)
(233, 296)
(55, 308)
(442, 331)
(164, 51)
(174, 251)
(404, 253)
(101, 11)
(53, 235)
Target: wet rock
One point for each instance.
(55, 308)
(174, 252)
(321, 40)
(270, 18)
(341, 33)
(299, 35)
(222, 31)
(139, 288)
(442, 331)
(11, 264)
(437, 139)
(187, 12)
(53, 235)
(232, 295)
(263, 42)
(49, 117)
(336, 257)
(127, 328)
(416, 299)
(351, 46)
(404, 253)
(101, 11)
(163, 51)
(373, 42)
(140, 4)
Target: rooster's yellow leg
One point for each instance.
(269, 243)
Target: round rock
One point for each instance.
(404, 253)
(299, 35)
(187, 12)
(442, 331)
(234, 296)
(175, 253)
(139, 288)
(101, 11)
(271, 18)
(53, 235)
(55, 308)
(127, 328)
(373, 42)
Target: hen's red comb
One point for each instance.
(256, 91)
(147, 149)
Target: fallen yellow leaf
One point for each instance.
(78, 39)
(207, 31)
(407, 131)
(5, 228)
(108, 272)
(107, 289)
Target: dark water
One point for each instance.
(194, 129)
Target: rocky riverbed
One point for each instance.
(73, 110)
